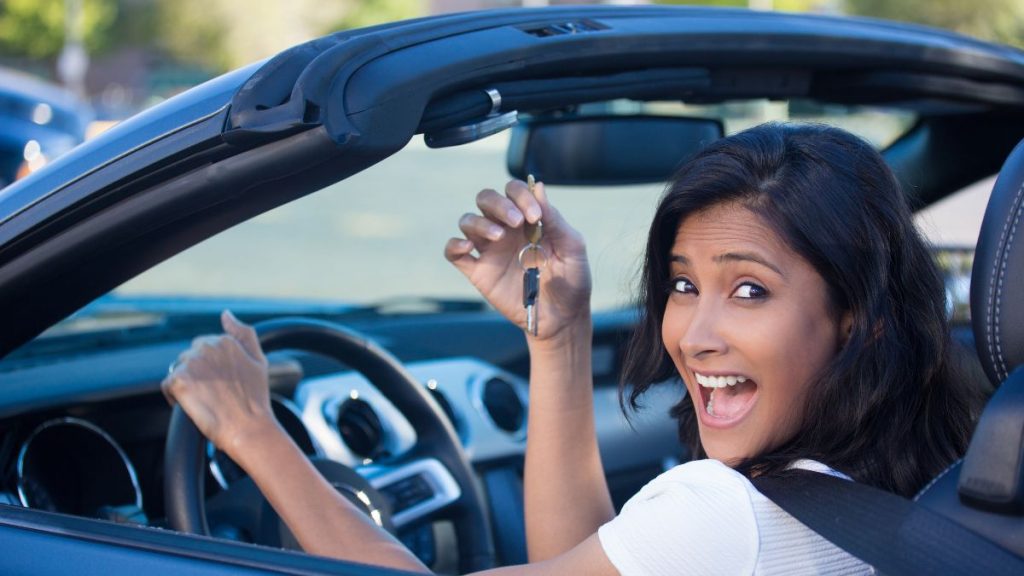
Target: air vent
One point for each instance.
(503, 405)
(565, 28)
(360, 428)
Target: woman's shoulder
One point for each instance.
(705, 515)
(699, 473)
(694, 518)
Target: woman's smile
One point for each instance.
(727, 398)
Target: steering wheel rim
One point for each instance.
(184, 455)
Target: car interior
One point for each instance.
(312, 195)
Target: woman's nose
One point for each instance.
(703, 334)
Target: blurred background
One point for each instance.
(120, 56)
(71, 68)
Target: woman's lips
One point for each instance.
(725, 399)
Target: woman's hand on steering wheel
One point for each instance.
(221, 383)
(498, 234)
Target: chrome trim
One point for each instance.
(67, 420)
(320, 398)
(211, 464)
(476, 397)
(495, 97)
(446, 489)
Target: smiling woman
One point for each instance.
(291, 180)
(784, 284)
(793, 262)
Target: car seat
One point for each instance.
(985, 491)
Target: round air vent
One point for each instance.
(360, 428)
(503, 404)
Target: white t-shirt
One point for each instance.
(703, 517)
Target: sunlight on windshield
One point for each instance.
(380, 235)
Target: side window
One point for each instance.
(951, 226)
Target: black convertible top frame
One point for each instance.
(330, 108)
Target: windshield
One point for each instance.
(378, 237)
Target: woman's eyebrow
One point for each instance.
(747, 257)
(732, 257)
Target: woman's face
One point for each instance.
(748, 326)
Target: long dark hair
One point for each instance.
(898, 411)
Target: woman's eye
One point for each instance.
(749, 290)
(683, 286)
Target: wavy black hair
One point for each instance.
(893, 408)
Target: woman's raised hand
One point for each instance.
(498, 234)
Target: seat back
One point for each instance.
(985, 492)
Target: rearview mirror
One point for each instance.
(606, 150)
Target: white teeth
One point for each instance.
(719, 381)
(711, 403)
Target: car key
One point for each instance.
(531, 258)
(531, 288)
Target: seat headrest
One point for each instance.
(997, 280)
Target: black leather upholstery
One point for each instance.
(985, 492)
(997, 280)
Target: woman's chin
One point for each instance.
(719, 446)
(730, 457)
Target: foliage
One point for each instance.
(370, 12)
(35, 28)
(998, 20)
(193, 32)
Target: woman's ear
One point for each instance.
(845, 327)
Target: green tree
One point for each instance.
(998, 20)
(35, 28)
(370, 12)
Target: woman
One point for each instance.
(784, 284)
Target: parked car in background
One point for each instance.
(39, 121)
(323, 183)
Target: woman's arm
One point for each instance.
(566, 495)
(221, 382)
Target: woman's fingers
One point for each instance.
(519, 193)
(459, 251)
(480, 230)
(499, 208)
(244, 334)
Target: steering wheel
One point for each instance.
(436, 459)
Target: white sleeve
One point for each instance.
(694, 519)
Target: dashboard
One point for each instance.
(84, 435)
